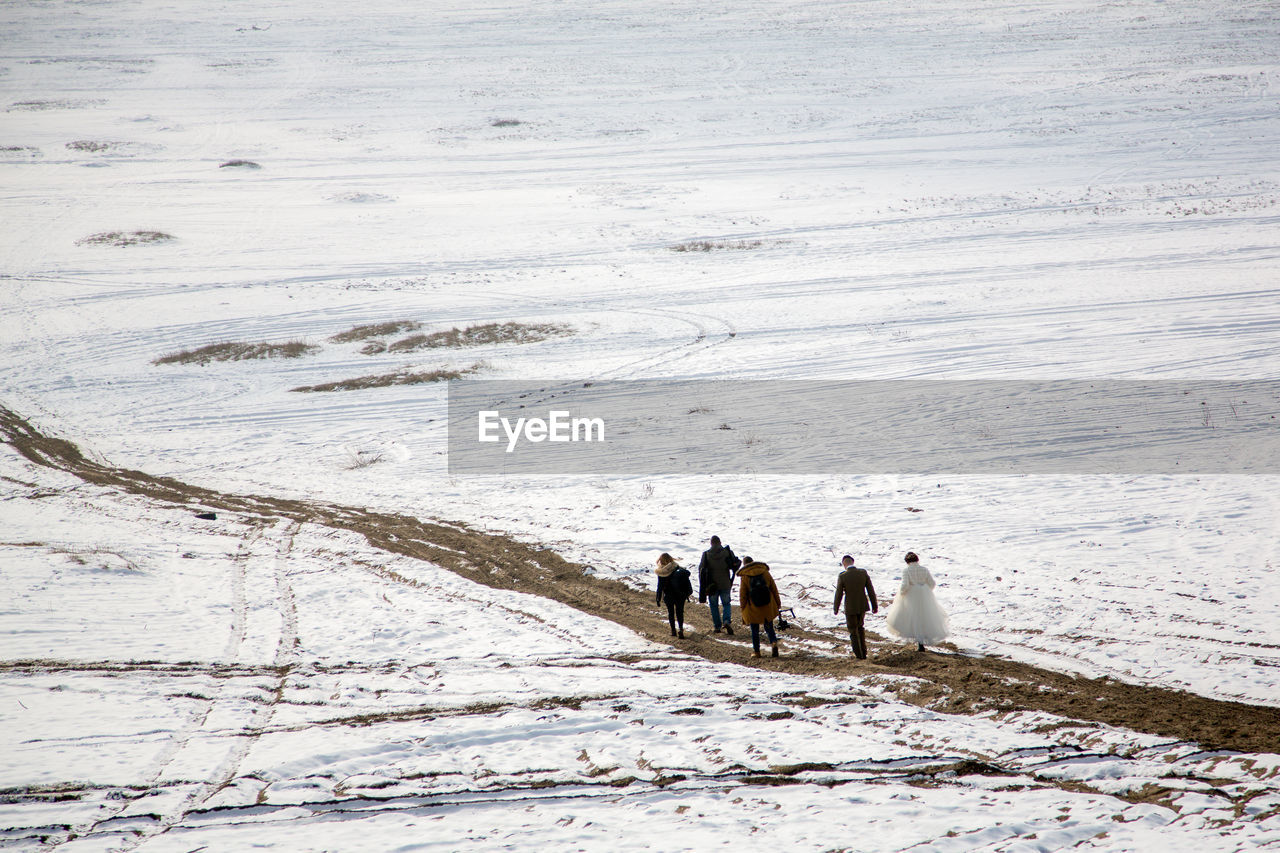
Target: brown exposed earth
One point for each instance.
(945, 681)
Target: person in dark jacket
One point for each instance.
(673, 587)
(854, 586)
(715, 582)
(762, 610)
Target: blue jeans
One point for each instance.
(723, 596)
(755, 634)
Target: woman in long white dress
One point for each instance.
(915, 613)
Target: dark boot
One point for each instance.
(775, 650)
(728, 629)
(682, 632)
(919, 647)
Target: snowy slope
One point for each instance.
(935, 190)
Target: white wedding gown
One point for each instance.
(915, 614)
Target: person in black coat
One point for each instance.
(675, 588)
(715, 581)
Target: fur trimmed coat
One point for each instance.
(753, 614)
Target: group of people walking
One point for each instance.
(914, 615)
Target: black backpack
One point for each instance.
(680, 587)
(731, 561)
(758, 591)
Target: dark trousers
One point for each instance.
(755, 634)
(675, 613)
(857, 637)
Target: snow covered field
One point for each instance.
(769, 190)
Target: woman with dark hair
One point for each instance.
(675, 588)
(915, 613)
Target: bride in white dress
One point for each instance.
(915, 614)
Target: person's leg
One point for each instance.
(727, 610)
(715, 611)
(680, 618)
(773, 637)
(671, 617)
(851, 623)
(755, 639)
(860, 636)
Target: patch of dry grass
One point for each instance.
(375, 330)
(125, 238)
(384, 380)
(90, 145)
(59, 104)
(357, 459)
(716, 246)
(237, 351)
(485, 333)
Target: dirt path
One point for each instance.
(948, 682)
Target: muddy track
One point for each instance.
(949, 683)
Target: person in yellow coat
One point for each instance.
(759, 601)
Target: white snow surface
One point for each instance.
(938, 190)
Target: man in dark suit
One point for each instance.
(854, 586)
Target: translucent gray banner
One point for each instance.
(655, 427)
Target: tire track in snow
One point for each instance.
(1031, 768)
(239, 607)
(260, 715)
(701, 342)
(709, 331)
(287, 646)
(197, 721)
